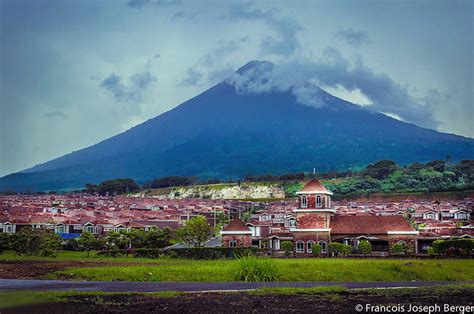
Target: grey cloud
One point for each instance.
(131, 92)
(303, 78)
(353, 37)
(287, 42)
(56, 114)
(206, 70)
(138, 4)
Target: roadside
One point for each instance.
(316, 300)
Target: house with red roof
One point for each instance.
(316, 222)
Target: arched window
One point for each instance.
(318, 201)
(300, 247)
(402, 242)
(309, 246)
(323, 246)
(304, 201)
(292, 222)
(232, 243)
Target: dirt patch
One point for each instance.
(26, 269)
(342, 302)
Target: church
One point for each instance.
(315, 221)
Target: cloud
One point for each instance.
(138, 4)
(305, 77)
(286, 43)
(130, 92)
(56, 114)
(353, 37)
(207, 70)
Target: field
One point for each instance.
(312, 300)
(76, 266)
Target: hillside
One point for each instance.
(223, 133)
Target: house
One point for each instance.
(314, 221)
(236, 234)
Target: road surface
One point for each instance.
(122, 286)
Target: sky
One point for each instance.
(73, 73)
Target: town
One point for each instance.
(261, 224)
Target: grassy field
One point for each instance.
(287, 269)
(291, 269)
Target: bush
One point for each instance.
(346, 249)
(316, 249)
(454, 247)
(430, 251)
(4, 242)
(397, 248)
(287, 246)
(251, 268)
(365, 247)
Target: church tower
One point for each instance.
(313, 217)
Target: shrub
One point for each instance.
(4, 242)
(346, 249)
(397, 248)
(287, 246)
(316, 249)
(251, 268)
(431, 251)
(365, 247)
(334, 248)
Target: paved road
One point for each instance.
(117, 286)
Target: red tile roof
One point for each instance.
(236, 225)
(314, 186)
(368, 224)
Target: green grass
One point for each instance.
(77, 256)
(22, 298)
(312, 269)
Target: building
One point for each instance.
(315, 221)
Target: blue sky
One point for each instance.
(76, 72)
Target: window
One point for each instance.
(304, 201)
(300, 247)
(323, 246)
(232, 243)
(462, 216)
(402, 242)
(8, 228)
(318, 201)
(309, 246)
(292, 222)
(90, 229)
(61, 229)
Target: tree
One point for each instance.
(35, 241)
(27, 241)
(287, 247)
(157, 238)
(195, 232)
(88, 242)
(50, 243)
(4, 242)
(117, 186)
(365, 247)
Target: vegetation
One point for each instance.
(387, 177)
(195, 233)
(113, 187)
(461, 247)
(327, 269)
(34, 242)
(287, 247)
(170, 181)
(365, 247)
(251, 268)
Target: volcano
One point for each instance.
(236, 128)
